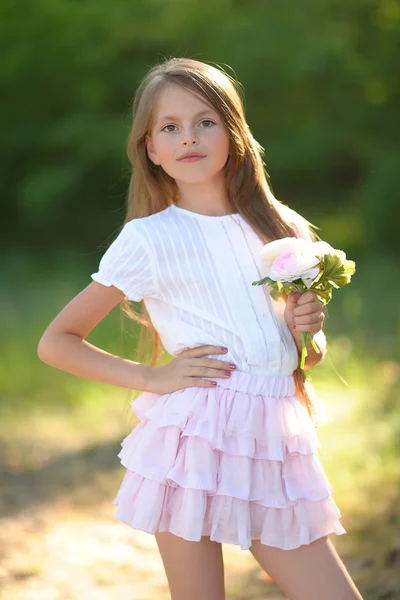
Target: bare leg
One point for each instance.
(310, 572)
(194, 570)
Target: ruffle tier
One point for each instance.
(237, 462)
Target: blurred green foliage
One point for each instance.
(321, 91)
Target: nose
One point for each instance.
(189, 138)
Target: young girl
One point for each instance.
(226, 448)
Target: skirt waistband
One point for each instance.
(252, 383)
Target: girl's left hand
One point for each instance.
(304, 312)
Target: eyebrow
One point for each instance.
(173, 118)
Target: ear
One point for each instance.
(151, 153)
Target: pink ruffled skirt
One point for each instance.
(237, 463)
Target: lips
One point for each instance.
(191, 155)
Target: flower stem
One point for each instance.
(304, 352)
(313, 344)
(304, 349)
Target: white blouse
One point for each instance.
(194, 273)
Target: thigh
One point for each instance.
(194, 570)
(310, 572)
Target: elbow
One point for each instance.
(47, 348)
(52, 346)
(43, 349)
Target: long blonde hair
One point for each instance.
(151, 189)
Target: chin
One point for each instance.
(195, 175)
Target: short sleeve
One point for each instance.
(127, 264)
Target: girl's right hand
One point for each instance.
(187, 369)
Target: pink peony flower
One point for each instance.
(294, 264)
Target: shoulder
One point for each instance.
(139, 233)
(149, 226)
(299, 223)
(162, 231)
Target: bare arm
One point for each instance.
(63, 346)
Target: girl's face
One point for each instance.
(185, 123)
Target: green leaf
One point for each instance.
(349, 267)
(341, 281)
(331, 264)
(324, 294)
(266, 280)
(275, 294)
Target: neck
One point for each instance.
(209, 198)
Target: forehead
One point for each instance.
(175, 101)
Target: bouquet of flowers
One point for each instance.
(292, 265)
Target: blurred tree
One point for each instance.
(321, 92)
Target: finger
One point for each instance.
(200, 351)
(210, 370)
(294, 297)
(307, 319)
(314, 328)
(308, 296)
(309, 308)
(198, 382)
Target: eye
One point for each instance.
(208, 121)
(203, 121)
(165, 128)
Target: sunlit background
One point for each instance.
(322, 97)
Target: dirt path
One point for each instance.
(59, 539)
(62, 554)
